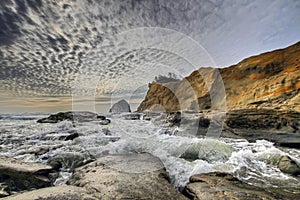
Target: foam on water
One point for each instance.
(182, 156)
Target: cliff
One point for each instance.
(269, 80)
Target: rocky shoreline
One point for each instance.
(142, 175)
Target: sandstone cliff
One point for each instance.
(271, 80)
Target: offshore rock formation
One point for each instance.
(75, 116)
(268, 80)
(120, 106)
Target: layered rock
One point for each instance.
(279, 126)
(219, 185)
(16, 175)
(268, 80)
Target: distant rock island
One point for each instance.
(120, 106)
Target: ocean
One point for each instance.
(182, 155)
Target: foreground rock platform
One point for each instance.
(63, 192)
(17, 175)
(132, 176)
(219, 185)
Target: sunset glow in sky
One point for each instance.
(46, 44)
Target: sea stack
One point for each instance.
(120, 107)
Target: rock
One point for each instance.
(279, 126)
(80, 116)
(18, 175)
(104, 121)
(69, 160)
(72, 136)
(106, 131)
(289, 166)
(132, 116)
(120, 106)
(209, 150)
(174, 118)
(62, 192)
(132, 176)
(219, 185)
(259, 81)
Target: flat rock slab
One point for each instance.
(16, 165)
(133, 176)
(219, 185)
(18, 175)
(63, 192)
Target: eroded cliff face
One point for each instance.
(271, 79)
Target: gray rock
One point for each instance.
(289, 166)
(120, 106)
(62, 192)
(219, 185)
(69, 160)
(18, 175)
(133, 176)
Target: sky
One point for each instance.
(87, 54)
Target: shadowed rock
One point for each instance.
(289, 166)
(18, 175)
(120, 106)
(78, 116)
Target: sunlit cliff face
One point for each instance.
(46, 44)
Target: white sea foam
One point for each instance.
(253, 162)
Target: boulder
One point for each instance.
(62, 192)
(104, 121)
(72, 136)
(69, 160)
(18, 175)
(174, 118)
(120, 106)
(131, 176)
(219, 185)
(289, 166)
(132, 116)
(208, 149)
(80, 116)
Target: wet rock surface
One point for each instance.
(78, 116)
(289, 166)
(279, 126)
(219, 185)
(17, 175)
(136, 176)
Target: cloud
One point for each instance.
(46, 44)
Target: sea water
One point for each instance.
(252, 162)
